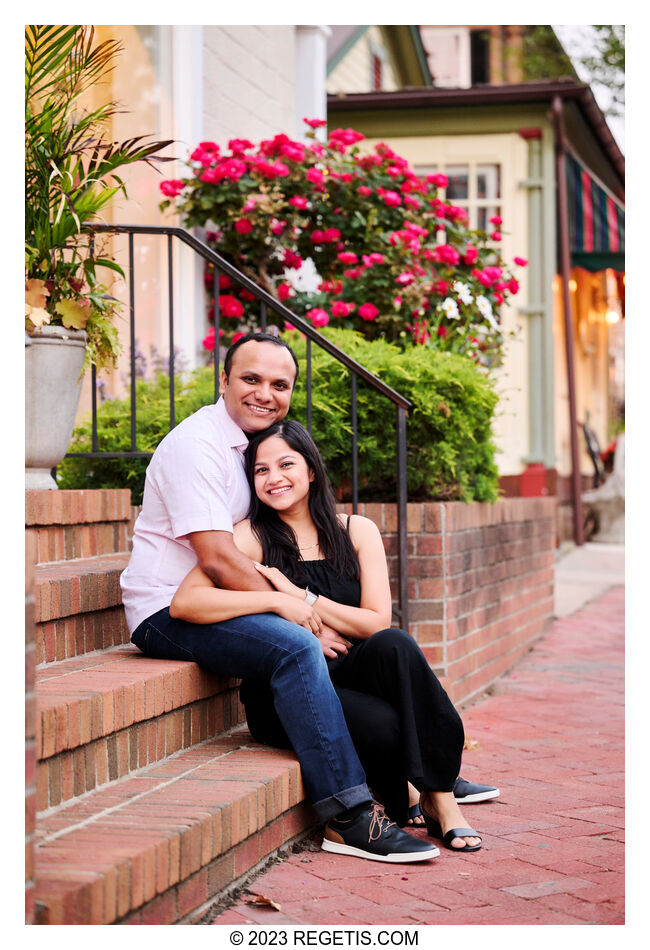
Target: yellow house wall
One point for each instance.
(511, 427)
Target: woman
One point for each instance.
(400, 719)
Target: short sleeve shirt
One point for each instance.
(194, 482)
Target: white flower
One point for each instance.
(463, 291)
(450, 308)
(485, 308)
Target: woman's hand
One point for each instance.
(280, 581)
(298, 611)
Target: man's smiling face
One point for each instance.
(258, 390)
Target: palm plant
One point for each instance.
(70, 176)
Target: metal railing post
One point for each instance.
(402, 515)
(132, 329)
(170, 290)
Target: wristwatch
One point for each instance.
(310, 597)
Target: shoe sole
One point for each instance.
(479, 796)
(335, 848)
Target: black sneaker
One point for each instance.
(469, 792)
(372, 835)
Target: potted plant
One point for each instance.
(70, 176)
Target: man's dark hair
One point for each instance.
(257, 338)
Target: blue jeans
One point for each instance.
(290, 658)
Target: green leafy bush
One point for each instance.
(450, 447)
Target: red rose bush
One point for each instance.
(394, 259)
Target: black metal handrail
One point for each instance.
(357, 371)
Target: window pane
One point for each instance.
(488, 181)
(458, 187)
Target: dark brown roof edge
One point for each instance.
(484, 95)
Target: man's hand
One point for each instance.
(332, 642)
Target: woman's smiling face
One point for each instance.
(282, 476)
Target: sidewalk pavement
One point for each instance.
(551, 736)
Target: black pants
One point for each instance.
(402, 722)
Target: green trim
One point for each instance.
(595, 261)
(407, 56)
(421, 55)
(445, 120)
(351, 41)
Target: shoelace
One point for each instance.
(379, 822)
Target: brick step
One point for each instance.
(77, 507)
(67, 542)
(155, 846)
(67, 588)
(104, 715)
(79, 634)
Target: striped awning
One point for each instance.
(596, 221)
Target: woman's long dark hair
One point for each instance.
(279, 544)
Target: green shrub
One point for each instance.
(450, 447)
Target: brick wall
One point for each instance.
(480, 583)
(30, 724)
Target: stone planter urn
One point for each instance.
(53, 360)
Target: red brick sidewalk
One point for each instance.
(551, 737)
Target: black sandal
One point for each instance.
(413, 813)
(435, 831)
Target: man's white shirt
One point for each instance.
(194, 482)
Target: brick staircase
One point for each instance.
(151, 797)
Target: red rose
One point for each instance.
(364, 191)
(496, 220)
(368, 311)
(285, 291)
(521, 261)
(243, 226)
(208, 339)
(440, 181)
(171, 188)
(291, 260)
(345, 136)
(229, 306)
(348, 257)
(471, 255)
(298, 202)
(239, 145)
(319, 317)
(391, 198)
(341, 309)
(315, 123)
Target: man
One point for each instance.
(195, 490)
